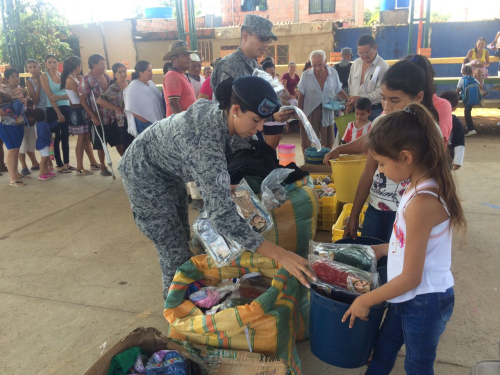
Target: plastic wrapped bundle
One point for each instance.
(250, 208)
(313, 137)
(220, 249)
(342, 275)
(359, 256)
(334, 292)
(273, 193)
(275, 82)
(210, 296)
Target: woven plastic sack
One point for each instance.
(269, 325)
(295, 224)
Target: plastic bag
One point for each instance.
(210, 296)
(313, 137)
(251, 209)
(344, 276)
(275, 82)
(273, 193)
(220, 249)
(359, 256)
(253, 285)
(334, 105)
(166, 362)
(334, 292)
(325, 191)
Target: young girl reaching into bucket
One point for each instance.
(407, 145)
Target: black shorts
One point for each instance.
(273, 129)
(112, 133)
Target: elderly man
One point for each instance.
(194, 75)
(256, 34)
(207, 71)
(318, 86)
(367, 72)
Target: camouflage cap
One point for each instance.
(346, 51)
(260, 26)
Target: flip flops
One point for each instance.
(64, 170)
(17, 183)
(106, 173)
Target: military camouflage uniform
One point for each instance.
(190, 146)
(234, 66)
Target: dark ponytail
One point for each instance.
(140, 67)
(411, 77)
(115, 67)
(70, 64)
(475, 47)
(415, 130)
(227, 97)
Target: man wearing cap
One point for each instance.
(195, 77)
(193, 146)
(367, 73)
(343, 68)
(256, 34)
(177, 88)
(180, 94)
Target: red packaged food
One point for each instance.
(342, 275)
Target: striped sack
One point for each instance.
(268, 325)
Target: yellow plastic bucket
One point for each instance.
(346, 172)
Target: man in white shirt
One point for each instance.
(194, 74)
(367, 72)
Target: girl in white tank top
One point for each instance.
(408, 146)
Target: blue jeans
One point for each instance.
(141, 126)
(417, 323)
(378, 224)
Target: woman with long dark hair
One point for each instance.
(143, 104)
(192, 145)
(57, 109)
(479, 59)
(112, 99)
(404, 83)
(70, 78)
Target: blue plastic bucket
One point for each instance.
(369, 241)
(334, 342)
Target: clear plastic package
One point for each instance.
(220, 249)
(313, 137)
(273, 193)
(251, 209)
(210, 296)
(275, 82)
(341, 275)
(359, 256)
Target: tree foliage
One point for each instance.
(41, 29)
(198, 7)
(439, 17)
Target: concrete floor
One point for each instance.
(76, 273)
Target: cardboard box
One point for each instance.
(232, 362)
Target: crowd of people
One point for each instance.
(177, 140)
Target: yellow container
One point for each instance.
(328, 210)
(346, 172)
(338, 228)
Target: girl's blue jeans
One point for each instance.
(378, 224)
(417, 323)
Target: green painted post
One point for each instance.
(181, 34)
(410, 30)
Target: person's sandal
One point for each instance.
(71, 168)
(17, 183)
(95, 167)
(83, 172)
(24, 177)
(64, 170)
(106, 173)
(25, 171)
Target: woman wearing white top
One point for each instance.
(143, 103)
(70, 77)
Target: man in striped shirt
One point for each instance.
(362, 125)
